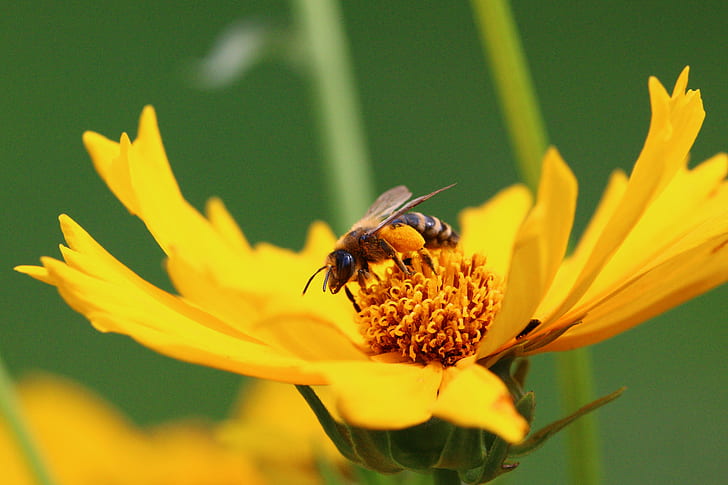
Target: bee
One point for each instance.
(385, 230)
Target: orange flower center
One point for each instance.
(428, 316)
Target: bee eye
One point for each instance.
(342, 270)
(344, 265)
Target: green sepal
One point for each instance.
(512, 371)
(420, 447)
(424, 447)
(494, 464)
(465, 448)
(535, 440)
(498, 460)
(337, 432)
(433, 444)
(475, 455)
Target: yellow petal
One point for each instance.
(474, 397)
(674, 126)
(670, 225)
(573, 265)
(692, 197)
(112, 169)
(139, 174)
(320, 236)
(271, 287)
(491, 228)
(689, 199)
(211, 263)
(271, 414)
(171, 328)
(698, 268)
(212, 350)
(383, 396)
(68, 425)
(37, 272)
(539, 248)
(86, 256)
(84, 440)
(115, 299)
(226, 226)
(187, 453)
(308, 338)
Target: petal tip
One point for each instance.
(148, 110)
(65, 220)
(148, 120)
(682, 82)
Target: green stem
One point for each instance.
(10, 411)
(500, 39)
(517, 96)
(445, 477)
(338, 115)
(575, 380)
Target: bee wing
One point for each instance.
(388, 202)
(405, 208)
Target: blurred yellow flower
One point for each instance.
(85, 440)
(275, 429)
(657, 239)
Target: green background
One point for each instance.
(431, 119)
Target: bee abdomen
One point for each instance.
(436, 233)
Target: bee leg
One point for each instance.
(363, 275)
(392, 254)
(350, 296)
(425, 256)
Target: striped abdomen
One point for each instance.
(437, 233)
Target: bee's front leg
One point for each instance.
(351, 298)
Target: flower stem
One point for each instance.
(502, 44)
(345, 162)
(445, 477)
(575, 380)
(529, 139)
(10, 411)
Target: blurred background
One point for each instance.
(431, 118)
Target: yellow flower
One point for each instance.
(657, 239)
(270, 417)
(85, 440)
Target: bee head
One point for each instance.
(340, 266)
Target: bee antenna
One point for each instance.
(313, 276)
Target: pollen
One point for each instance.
(431, 315)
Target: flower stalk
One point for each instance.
(529, 139)
(501, 42)
(338, 114)
(575, 381)
(445, 477)
(10, 412)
